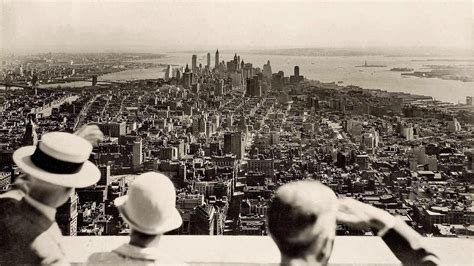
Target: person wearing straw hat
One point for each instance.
(51, 170)
(149, 209)
(18, 189)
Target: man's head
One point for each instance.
(302, 220)
(56, 165)
(48, 193)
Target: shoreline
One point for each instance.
(334, 84)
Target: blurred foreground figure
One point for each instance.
(91, 133)
(150, 211)
(29, 233)
(302, 221)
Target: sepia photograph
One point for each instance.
(236, 132)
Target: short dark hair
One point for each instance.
(285, 221)
(140, 239)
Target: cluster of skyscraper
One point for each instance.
(234, 74)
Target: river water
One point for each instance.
(343, 68)
(330, 69)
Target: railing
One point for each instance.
(248, 250)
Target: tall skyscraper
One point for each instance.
(66, 216)
(229, 121)
(104, 175)
(254, 87)
(247, 71)
(194, 63)
(296, 78)
(236, 78)
(137, 158)
(267, 70)
(168, 72)
(30, 137)
(243, 124)
(233, 144)
(188, 78)
(217, 59)
(209, 60)
(179, 73)
(94, 80)
(219, 87)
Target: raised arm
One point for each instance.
(91, 133)
(404, 242)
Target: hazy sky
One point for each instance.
(186, 25)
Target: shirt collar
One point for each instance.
(131, 251)
(46, 210)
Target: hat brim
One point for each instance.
(87, 176)
(171, 223)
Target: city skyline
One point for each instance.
(229, 135)
(151, 121)
(103, 26)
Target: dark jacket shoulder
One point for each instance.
(20, 225)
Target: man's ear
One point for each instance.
(325, 251)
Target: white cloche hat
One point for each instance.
(150, 206)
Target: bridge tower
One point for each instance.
(7, 80)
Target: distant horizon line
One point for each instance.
(430, 50)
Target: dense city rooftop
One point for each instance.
(230, 133)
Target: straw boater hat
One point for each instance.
(150, 206)
(59, 158)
